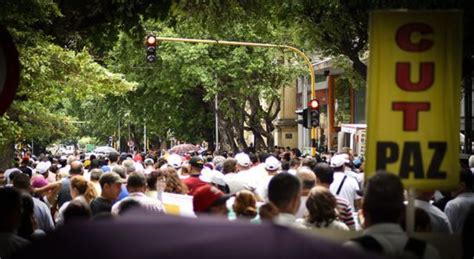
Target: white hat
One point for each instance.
(243, 159)
(149, 161)
(338, 160)
(212, 176)
(175, 161)
(272, 164)
(42, 167)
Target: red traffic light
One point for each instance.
(151, 40)
(313, 104)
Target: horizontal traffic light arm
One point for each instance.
(251, 44)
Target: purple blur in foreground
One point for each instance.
(142, 235)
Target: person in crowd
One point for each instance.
(322, 213)
(129, 165)
(94, 178)
(211, 201)
(324, 178)
(272, 167)
(136, 186)
(194, 182)
(64, 194)
(295, 163)
(309, 162)
(78, 209)
(41, 211)
(438, 220)
(10, 219)
(173, 183)
(457, 209)
(28, 228)
(113, 160)
(383, 210)
(149, 165)
(284, 192)
(52, 175)
(111, 185)
(156, 183)
(308, 181)
(122, 172)
(245, 205)
(80, 189)
(229, 169)
(344, 186)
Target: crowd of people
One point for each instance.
(38, 195)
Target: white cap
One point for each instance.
(42, 167)
(243, 159)
(339, 160)
(175, 161)
(212, 176)
(272, 164)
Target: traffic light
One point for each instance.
(304, 120)
(150, 43)
(313, 107)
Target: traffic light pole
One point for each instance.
(262, 45)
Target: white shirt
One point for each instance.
(148, 203)
(457, 209)
(287, 220)
(349, 188)
(439, 220)
(393, 239)
(335, 224)
(234, 182)
(262, 189)
(301, 211)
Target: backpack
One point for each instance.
(413, 246)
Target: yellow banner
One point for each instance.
(414, 87)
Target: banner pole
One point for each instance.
(410, 212)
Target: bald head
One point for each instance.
(76, 168)
(307, 178)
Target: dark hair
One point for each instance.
(136, 180)
(21, 182)
(321, 205)
(285, 166)
(263, 156)
(383, 198)
(253, 158)
(296, 151)
(10, 203)
(53, 169)
(229, 165)
(26, 227)
(113, 157)
(295, 162)
(77, 210)
(128, 204)
(283, 188)
(466, 178)
(309, 162)
(152, 178)
(95, 163)
(324, 172)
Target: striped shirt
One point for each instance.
(345, 212)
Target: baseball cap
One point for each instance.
(208, 196)
(149, 161)
(196, 161)
(42, 167)
(175, 161)
(338, 160)
(212, 176)
(111, 177)
(243, 159)
(272, 164)
(39, 182)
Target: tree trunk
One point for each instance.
(7, 154)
